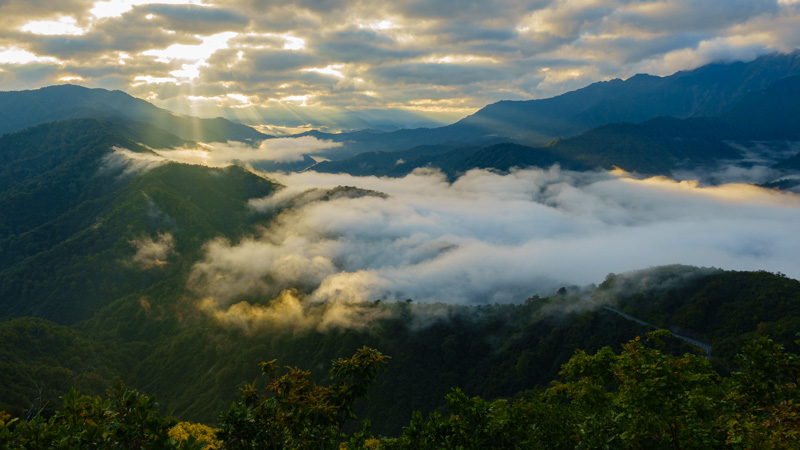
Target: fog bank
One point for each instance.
(485, 238)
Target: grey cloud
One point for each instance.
(287, 18)
(362, 46)
(99, 42)
(463, 32)
(478, 9)
(195, 19)
(441, 74)
(14, 13)
(38, 74)
(630, 50)
(270, 41)
(131, 34)
(269, 60)
(603, 39)
(360, 35)
(700, 15)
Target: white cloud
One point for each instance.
(64, 26)
(225, 154)
(153, 252)
(16, 55)
(193, 52)
(492, 238)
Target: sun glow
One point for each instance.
(233, 100)
(16, 55)
(195, 53)
(64, 26)
(302, 100)
(68, 78)
(333, 70)
(149, 79)
(379, 26)
(188, 71)
(460, 59)
(292, 42)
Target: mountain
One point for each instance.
(657, 146)
(709, 90)
(450, 159)
(76, 212)
(22, 109)
(664, 144)
(195, 366)
(706, 91)
(99, 237)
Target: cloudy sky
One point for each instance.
(334, 62)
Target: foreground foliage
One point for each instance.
(295, 412)
(642, 397)
(126, 419)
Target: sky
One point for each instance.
(341, 64)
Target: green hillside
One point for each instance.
(72, 216)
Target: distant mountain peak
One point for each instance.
(23, 109)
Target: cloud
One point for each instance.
(153, 252)
(390, 55)
(225, 154)
(126, 162)
(487, 238)
(195, 19)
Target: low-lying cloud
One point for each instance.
(153, 252)
(485, 238)
(232, 152)
(123, 162)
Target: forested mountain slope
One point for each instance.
(78, 211)
(23, 109)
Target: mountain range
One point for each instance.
(706, 91)
(100, 234)
(658, 146)
(646, 124)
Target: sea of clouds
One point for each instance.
(485, 238)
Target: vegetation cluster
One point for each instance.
(641, 397)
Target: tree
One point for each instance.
(475, 423)
(297, 413)
(643, 398)
(765, 396)
(125, 420)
